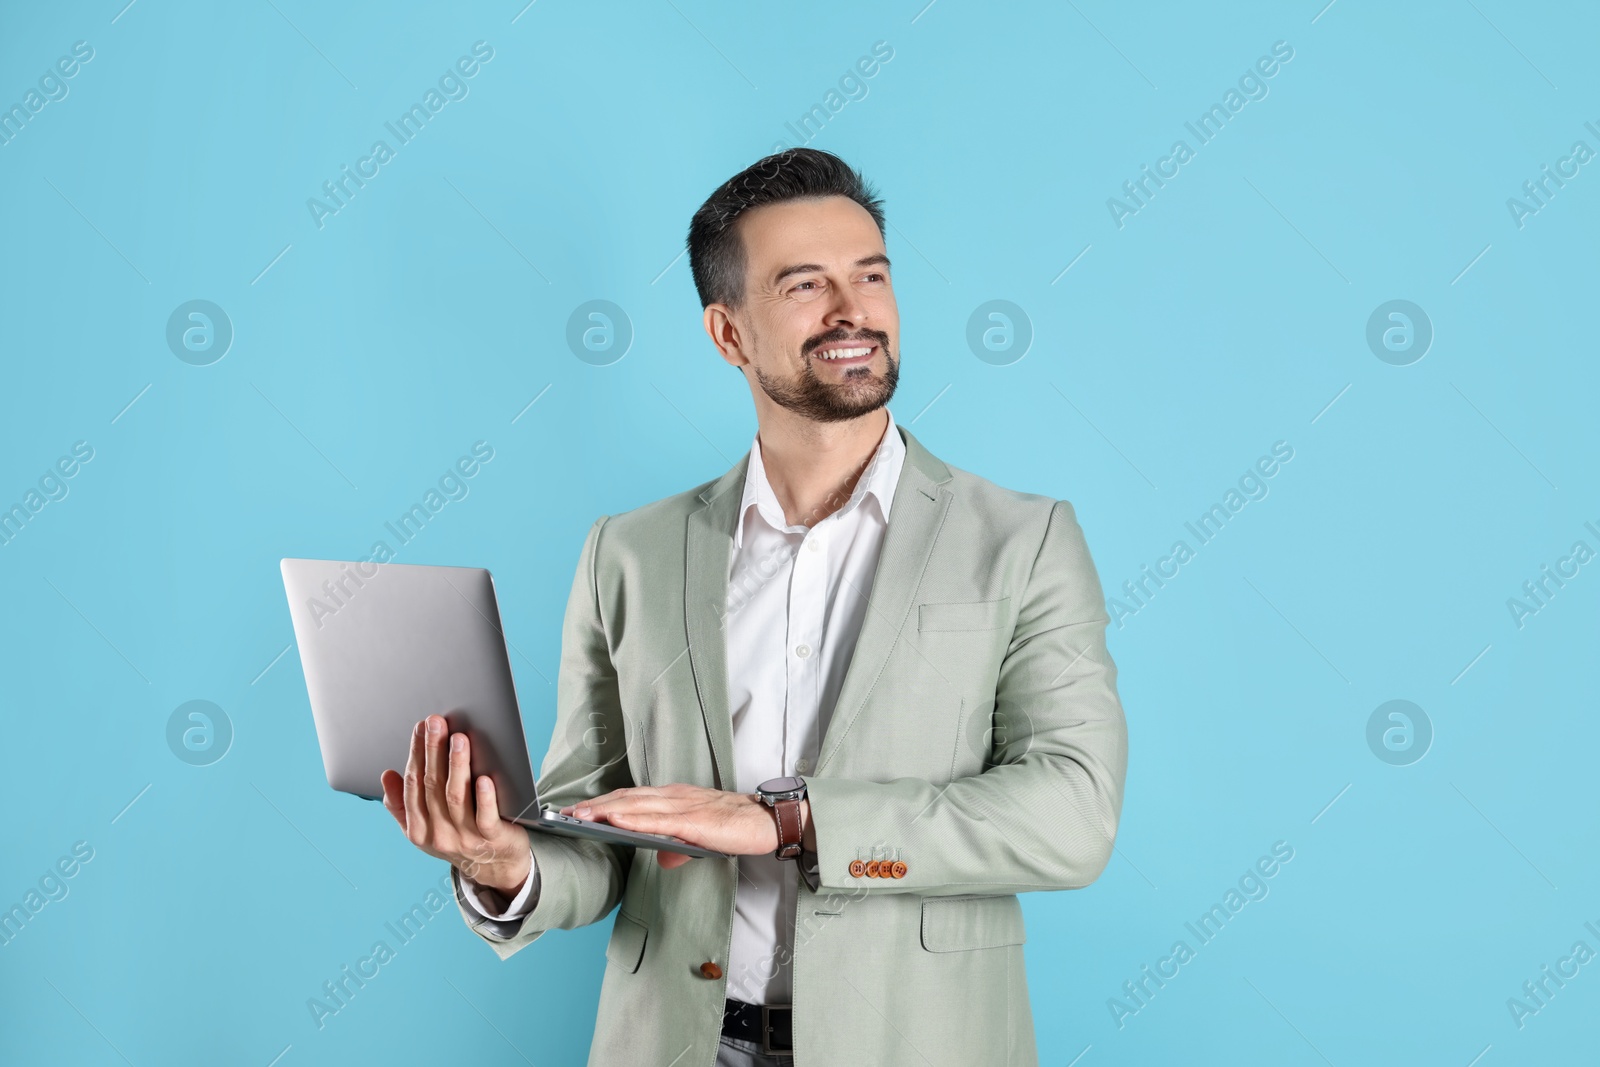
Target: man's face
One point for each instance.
(819, 327)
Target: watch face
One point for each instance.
(781, 785)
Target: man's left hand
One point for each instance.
(736, 823)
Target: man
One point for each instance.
(880, 682)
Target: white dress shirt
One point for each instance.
(797, 596)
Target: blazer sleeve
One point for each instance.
(1044, 814)
(580, 881)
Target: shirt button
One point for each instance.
(802, 651)
(801, 765)
(814, 545)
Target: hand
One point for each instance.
(736, 823)
(432, 805)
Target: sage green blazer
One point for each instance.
(977, 738)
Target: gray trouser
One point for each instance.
(734, 1052)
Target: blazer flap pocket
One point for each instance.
(951, 924)
(970, 615)
(626, 947)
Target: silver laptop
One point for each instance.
(384, 646)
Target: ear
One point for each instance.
(724, 333)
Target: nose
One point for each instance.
(847, 310)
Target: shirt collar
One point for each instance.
(878, 482)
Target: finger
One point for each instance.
(666, 823)
(669, 860)
(601, 799)
(455, 786)
(654, 822)
(416, 808)
(489, 824)
(394, 796)
(624, 805)
(629, 792)
(434, 769)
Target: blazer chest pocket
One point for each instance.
(968, 615)
(954, 924)
(626, 947)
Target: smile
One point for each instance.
(854, 354)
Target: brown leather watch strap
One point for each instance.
(787, 813)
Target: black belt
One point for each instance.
(770, 1026)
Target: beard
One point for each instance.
(861, 392)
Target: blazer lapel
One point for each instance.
(705, 597)
(921, 501)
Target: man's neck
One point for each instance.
(814, 467)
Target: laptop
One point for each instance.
(384, 645)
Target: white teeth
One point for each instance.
(844, 353)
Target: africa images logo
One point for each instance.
(452, 86)
(453, 485)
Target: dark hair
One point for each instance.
(717, 255)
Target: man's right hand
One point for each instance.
(434, 806)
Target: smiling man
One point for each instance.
(878, 682)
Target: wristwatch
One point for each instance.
(783, 796)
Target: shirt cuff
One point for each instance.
(482, 899)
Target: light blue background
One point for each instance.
(1228, 314)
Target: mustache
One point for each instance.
(877, 337)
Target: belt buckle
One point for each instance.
(766, 1030)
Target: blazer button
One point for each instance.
(872, 868)
(856, 868)
(710, 970)
(898, 869)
